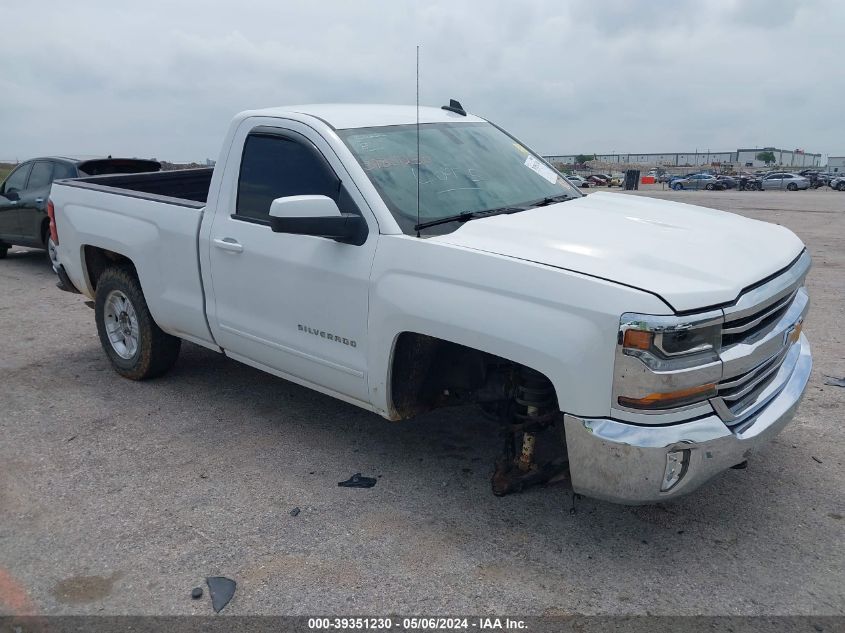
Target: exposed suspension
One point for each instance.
(531, 414)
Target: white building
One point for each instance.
(786, 158)
(836, 164)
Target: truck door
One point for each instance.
(296, 304)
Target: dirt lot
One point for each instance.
(119, 497)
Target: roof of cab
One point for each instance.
(343, 115)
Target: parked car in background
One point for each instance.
(578, 181)
(23, 196)
(749, 182)
(784, 180)
(667, 177)
(616, 181)
(838, 183)
(729, 181)
(597, 180)
(818, 179)
(698, 181)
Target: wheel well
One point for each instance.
(98, 259)
(427, 373)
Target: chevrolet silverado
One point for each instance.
(404, 259)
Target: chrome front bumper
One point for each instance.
(627, 463)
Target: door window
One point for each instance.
(17, 180)
(41, 175)
(63, 170)
(276, 167)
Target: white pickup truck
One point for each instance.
(404, 260)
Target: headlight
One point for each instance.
(667, 362)
(654, 339)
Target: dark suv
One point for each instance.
(23, 196)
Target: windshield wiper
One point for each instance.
(466, 216)
(544, 202)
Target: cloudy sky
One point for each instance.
(162, 79)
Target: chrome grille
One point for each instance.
(758, 342)
(739, 392)
(749, 327)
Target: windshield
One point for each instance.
(464, 168)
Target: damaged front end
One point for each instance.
(534, 451)
(429, 373)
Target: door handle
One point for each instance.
(229, 244)
(39, 200)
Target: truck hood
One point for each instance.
(692, 257)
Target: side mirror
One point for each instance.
(318, 216)
(12, 195)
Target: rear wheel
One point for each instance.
(792, 187)
(709, 186)
(677, 186)
(3, 251)
(840, 186)
(136, 346)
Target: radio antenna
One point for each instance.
(419, 175)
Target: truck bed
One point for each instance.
(182, 187)
(153, 219)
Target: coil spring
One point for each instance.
(535, 398)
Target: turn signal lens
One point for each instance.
(637, 339)
(671, 399)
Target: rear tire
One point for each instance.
(137, 348)
(792, 187)
(709, 186)
(4, 250)
(839, 187)
(677, 186)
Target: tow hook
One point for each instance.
(528, 430)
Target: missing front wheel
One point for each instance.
(533, 451)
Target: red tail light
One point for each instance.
(51, 212)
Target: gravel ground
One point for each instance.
(118, 497)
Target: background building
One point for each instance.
(836, 164)
(787, 158)
(741, 157)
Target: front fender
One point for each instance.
(557, 322)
